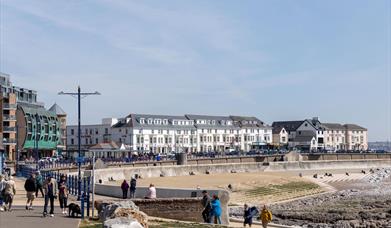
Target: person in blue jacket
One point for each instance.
(216, 210)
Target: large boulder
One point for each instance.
(118, 214)
(122, 222)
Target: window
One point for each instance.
(149, 121)
(72, 132)
(142, 120)
(306, 124)
(106, 131)
(96, 132)
(96, 141)
(72, 141)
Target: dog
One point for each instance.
(73, 209)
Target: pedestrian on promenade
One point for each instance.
(9, 193)
(50, 190)
(206, 206)
(133, 184)
(266, 217)
(125, 188)
(216, 210)
(151, 192)
(63, 194)
(248, 219)
(39, 184)
(2, 187)
(30, 187)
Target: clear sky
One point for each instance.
(276, 59)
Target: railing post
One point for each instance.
(88, 195)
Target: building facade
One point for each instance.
(161, 134)
(16, 104)
(312, 135)
(90, 134)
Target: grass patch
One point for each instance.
(166, 224)
(290, 187)
(90, 224)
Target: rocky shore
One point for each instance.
(365, 203)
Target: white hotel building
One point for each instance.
(165, 134)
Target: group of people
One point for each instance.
(212, 211)
(131, 188)
(7, 192)
(49, 188)
(151, 193)
(249, 212)
(211, 208)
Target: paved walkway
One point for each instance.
(20, 217)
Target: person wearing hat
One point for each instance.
(50, 190)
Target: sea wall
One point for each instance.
(171, 203)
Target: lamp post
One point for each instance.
(78, 95)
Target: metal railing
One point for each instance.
(9, 117)
(11, 129)
(8, 140)
(9, 106)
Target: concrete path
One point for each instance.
(20, 217)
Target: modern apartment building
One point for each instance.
(62, 118)
(166, 133)
(17, 107)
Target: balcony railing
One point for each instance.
(9, 117)
(9, 106)
(9, 129)
(9, 141)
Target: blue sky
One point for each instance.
(277, 60)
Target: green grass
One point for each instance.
(290, 187)
(164, 224)
(90, 224)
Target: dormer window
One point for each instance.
(149, 121)
(175, 122)
(165, 122)
(213, 122)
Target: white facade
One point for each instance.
(166, 134)
(90, 134)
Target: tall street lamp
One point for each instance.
(78, 95)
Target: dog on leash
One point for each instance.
(73, 209)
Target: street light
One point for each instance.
(78, 95)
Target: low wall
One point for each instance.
(180, 209)
(156, 171)
(181, 204)
(322, 165)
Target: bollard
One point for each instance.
(82, 205)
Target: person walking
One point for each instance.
(206, 206)
(133, 183)
(9, 193)
(63, 194)
(2, 187)
(39, 184)
(50, 190)
(125, 188)
(151, 192)
(30, 187)
(266, 216)
(249, 213)
(216, 210)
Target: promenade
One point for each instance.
(19, 217)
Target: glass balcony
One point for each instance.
(9, 117)
(9, 129)
(9, 106)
